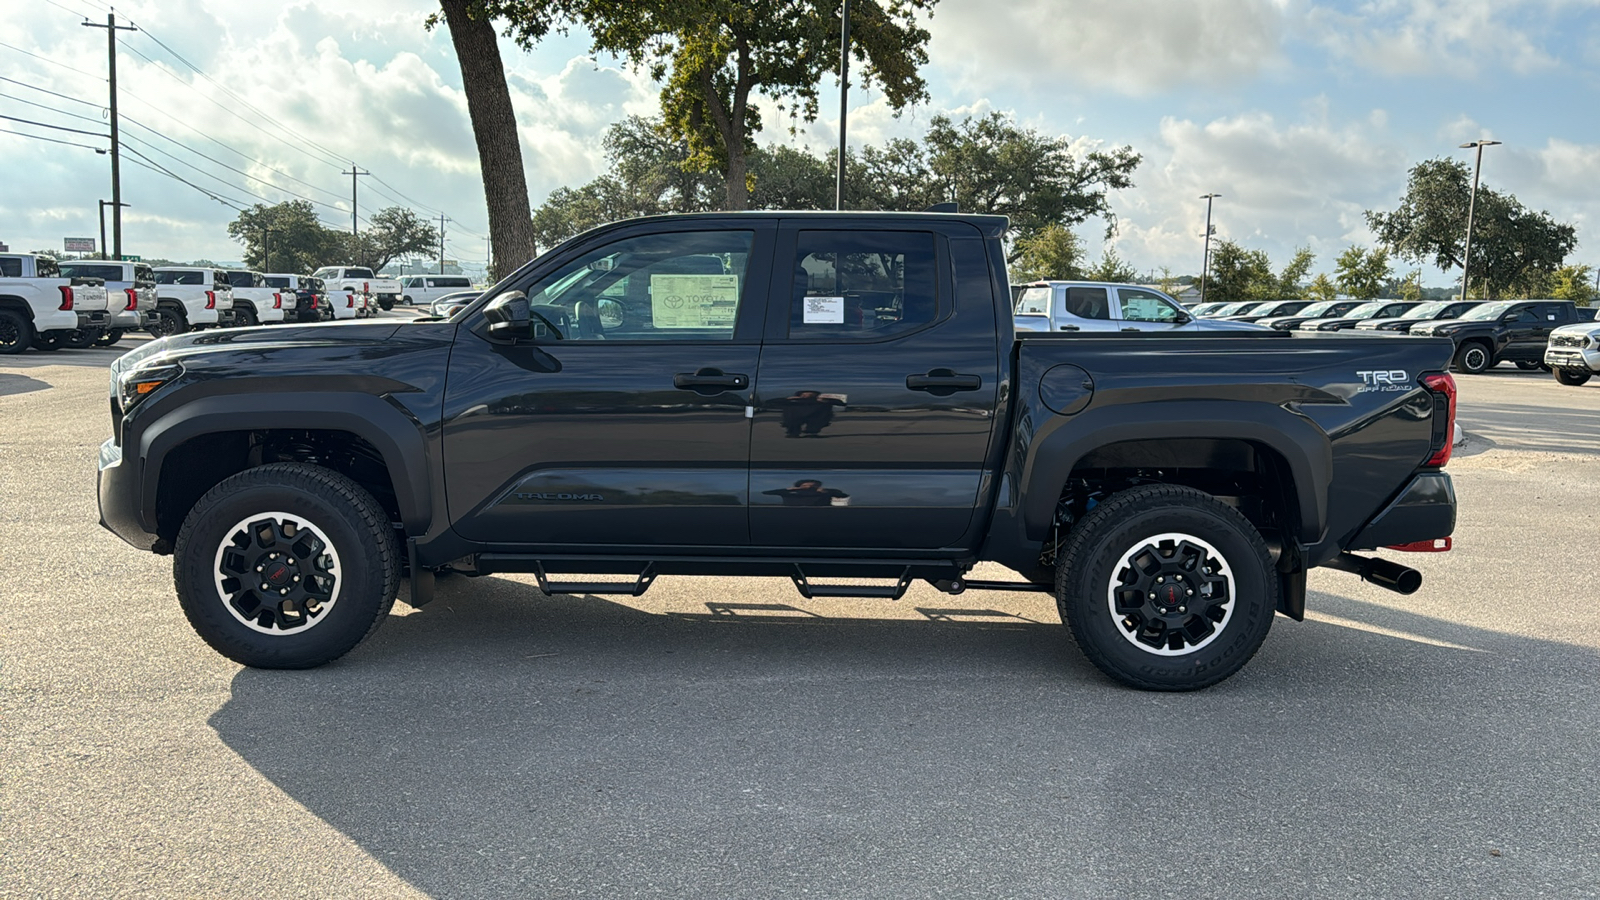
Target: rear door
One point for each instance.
(1526, 332)
(622, 419)
(877, 391)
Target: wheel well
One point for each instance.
(17, 304)
(201, 463)
(1251, 477)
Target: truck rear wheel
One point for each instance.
(81, 338)
(16, 332)
(1473, 358)
(386, 302)
(286, 566)
(1572, 377)
(1165, 588)
(48, 341)
(167, 322)
(109, 337)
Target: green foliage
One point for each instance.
(1575, 283)
(1411, 288)
(1238, 274)
(298, 242)
(1321, 288)
(1111, 267)
(1510, 243)
(1051, 253)
(1361, 273)
(1295, 272)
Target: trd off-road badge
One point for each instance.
(1384, 381)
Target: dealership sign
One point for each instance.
(78, 245)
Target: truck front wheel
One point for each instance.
(286, 566)
(1473, 358)
(1165, 588)
(1572, 377)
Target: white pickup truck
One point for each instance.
(255, 302)
(41, 308)
(130, 294)
(190, 297)
(340, 279)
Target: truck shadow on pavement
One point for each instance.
(497, 745)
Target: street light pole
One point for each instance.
(844, 100)
(1472, 203)
(1205, 265)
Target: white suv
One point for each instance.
(428, 288)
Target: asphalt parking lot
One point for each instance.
(729, 739)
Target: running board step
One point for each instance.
(636, 589)
(874, 591)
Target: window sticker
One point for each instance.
(824, 310)
(694, 301)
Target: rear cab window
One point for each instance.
(863, 285)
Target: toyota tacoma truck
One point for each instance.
(836, 399)
(1573, 353)
(1515, 330)
(42, 308)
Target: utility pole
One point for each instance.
(354, 171)
(1472, 203)
(1205, 266)
(103, 204)
(266, 247)
(442, 220)
(112, 28)
(844, 100)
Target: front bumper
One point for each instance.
(119, 497)
(1425, 509)
(1572, 358)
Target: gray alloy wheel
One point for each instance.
(1473, 358)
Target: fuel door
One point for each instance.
(1066, 389)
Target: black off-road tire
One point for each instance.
(81, 338)
(386, 303)
(109, 337)
(16, 332)
(49, 341)
(245, 317)
(1528, 365)
(247, 518)
(1113, 557)
(1573, 377)
(1473, 358)
(168, 322)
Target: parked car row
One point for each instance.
(50, 305)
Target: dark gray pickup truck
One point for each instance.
(805, 396)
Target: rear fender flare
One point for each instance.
(390, 430)
(1058, 447)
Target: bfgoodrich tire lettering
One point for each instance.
(1165, 588)
(286, 566)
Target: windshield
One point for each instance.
(1367, 310)
(1233, 309)
(1317, 309)
(1429, 310)
(1489, 311)
(277, 281)
(358, 273)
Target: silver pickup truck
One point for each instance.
(1105, 306)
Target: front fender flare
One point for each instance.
(396, 435)
(1064, 440)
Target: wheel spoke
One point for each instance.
(1171, 594)
(277, 574)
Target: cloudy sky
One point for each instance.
(1301, 114)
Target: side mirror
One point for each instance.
(1183, 318)
(509, 316)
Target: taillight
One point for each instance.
(277, 301)
(211, 299)
(1437, 545)
(364, 287)
(133, 299)
(350, 302)
(1443, 388)
(66, 297)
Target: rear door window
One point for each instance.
(863, 285)
(1088, 302)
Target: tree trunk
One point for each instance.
(494, 125)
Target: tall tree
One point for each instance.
(1322, 288)
(1508, 239)
(394, 231)
(1411, 286)
(1575, 283)
(1111, 267)
(1295, 272)
(1238, 274)
(1362, 273)
(712, 55)
(1052, 252)
(296, 239)
(494, 122)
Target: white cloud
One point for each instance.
(1454, 38)
(1133, 47)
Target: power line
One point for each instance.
(59, 112)
(217, 178)
(35, 87)
(40, 137)
(157, 167)
(224, 165)
(49, 60)
(57, 127)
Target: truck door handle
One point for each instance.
(943, 382)
(1069, 328)
(710, 381)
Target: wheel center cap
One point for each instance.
(278, 574)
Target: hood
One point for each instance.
(257, 339)
(1433, 327)
(1315, 324)
(1579, 328)
(1226, 325)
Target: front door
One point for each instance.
(1526, 334)
(876, 394)
(1145, 310)
(622, 418)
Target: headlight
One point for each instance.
(140, 381)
